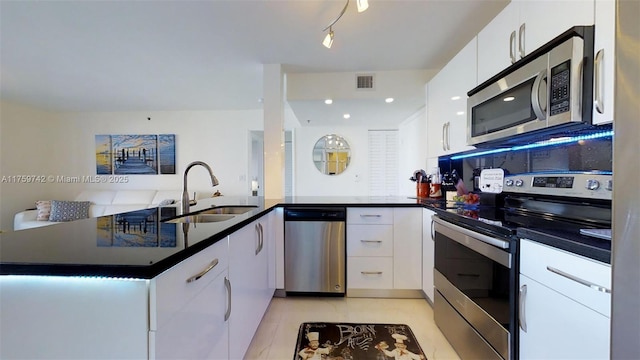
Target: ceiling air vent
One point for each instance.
(364, 82)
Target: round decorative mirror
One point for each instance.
(331, 154)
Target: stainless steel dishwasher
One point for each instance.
(314, 251)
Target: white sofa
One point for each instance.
(105, 202)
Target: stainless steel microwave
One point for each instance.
(550, 89)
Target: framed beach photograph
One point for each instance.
(135, 154)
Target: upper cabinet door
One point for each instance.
(542, 21)
(525, 25)
(497, 42)
(604, 80)
(447, 103)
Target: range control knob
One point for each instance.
(519, 183)
(508, 182)
(592, 184)
(609, 185)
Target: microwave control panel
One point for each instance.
(560, 84)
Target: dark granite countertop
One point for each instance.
(139, 244)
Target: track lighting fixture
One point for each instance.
(328, 40)
(362, 5)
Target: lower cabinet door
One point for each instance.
(198, 330)
(553, 326)
(370, 272)
(249, 275)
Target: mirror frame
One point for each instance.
(330, 159)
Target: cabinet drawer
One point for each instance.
(370, 216)
(370, 273)
(370, 240)
(172, 291)
(563, 272)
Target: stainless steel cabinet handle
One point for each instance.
(260, 235)
(203, 272)
(371, 241)
(371, 272)
(433, 230)
(578, 280)
(448, 135)
(444, 131)
(372, 215)
(598, 82)
(521, 40)
(227, 284)
(512, 47)
(521, 308)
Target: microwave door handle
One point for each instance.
(535, 97)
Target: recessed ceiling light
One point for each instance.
(509, 98)
(460, 113)
(346, 116)
(328, 101)
(455, 98)
(388, 100)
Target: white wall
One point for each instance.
(309, 181)
(36, 142)
(413, 150)
(45, 143)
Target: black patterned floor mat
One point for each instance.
(355, 341)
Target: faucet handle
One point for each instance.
(194, 201)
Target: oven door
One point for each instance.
(474, 302)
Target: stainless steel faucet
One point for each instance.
(185, 194)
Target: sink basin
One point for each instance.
(229, 209)
(201, 218)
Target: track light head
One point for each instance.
(328, 40)
(362, 5)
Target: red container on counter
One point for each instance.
(422, 189)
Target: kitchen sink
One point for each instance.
(229, 209)
(201, 218)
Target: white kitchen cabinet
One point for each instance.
(497, 42)
(447, 103)
(407, 248)
(428, 254)
(370, 240)
(191, 302)
(370, 272)
(200, 330)
(274, 237)
(250, 285)
(604, 79)
(384, 248)
(560, 316)
(522, 27)
(369, 248)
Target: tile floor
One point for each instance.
(276, 336)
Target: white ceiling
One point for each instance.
(208, 55)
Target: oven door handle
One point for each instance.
(490, 247)
(503, 244)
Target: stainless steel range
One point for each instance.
(476, 253)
